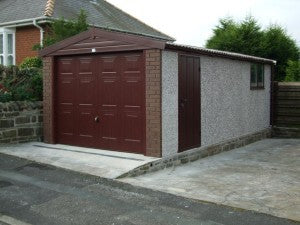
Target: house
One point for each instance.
(138, 93)
(23, 23)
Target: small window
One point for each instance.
(1, 50)
(9, 43)
(10, 60)
(10, 50)
(7, 46)
(257, 76)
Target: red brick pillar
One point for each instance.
(48, 104)
(153, 103)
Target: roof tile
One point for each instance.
(100, 14)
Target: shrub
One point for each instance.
(31, 62)
(5, 96)
(21, 84)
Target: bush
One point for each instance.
(21, 84)
(5, 96)
(31, 62)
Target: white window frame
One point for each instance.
(5, 32)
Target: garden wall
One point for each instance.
(21, 122)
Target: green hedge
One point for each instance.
(20, 84)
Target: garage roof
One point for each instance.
(100, 14)
(218, 53)
(97, 40)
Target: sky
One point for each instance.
(192, 21)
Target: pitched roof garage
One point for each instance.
(95, 92)
(124, 92)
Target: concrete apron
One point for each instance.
(102, 163)
(263, 176)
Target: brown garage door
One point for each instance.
(100, 101)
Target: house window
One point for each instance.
(1, 49)
(257, 76)
(7, 46)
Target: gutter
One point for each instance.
(27, 22)
(23, 22)
(41, 32)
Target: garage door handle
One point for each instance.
(97, 119)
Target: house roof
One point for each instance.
(218, 53)
(100, 14)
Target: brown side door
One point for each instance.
(100, 101)
(189, 102)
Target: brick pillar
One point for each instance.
(153, 103)
(48, 79)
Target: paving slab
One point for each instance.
(107, 164)
(263, 176)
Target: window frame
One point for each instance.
(257, 85)
(2, 53)
(5, 32)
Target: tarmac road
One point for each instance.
(32, 193)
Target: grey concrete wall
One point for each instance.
(229, 108)
(21, 122)
(169, 103)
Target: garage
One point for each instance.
(112, 90)
(99, 90)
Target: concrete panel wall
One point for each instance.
(229, 108)
(169, 103)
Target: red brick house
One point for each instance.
(22, 23)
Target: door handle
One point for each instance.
(97, 119)
(182, 102)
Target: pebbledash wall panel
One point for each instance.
(169, 103)
(229, 109)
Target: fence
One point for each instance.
(287, 104)
(286, 110)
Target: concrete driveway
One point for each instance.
(264, 177)
(102, 163)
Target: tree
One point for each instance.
(247, 37)
(279, 46)
(293, 71)
(61, 29)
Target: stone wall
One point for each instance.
(21, 122)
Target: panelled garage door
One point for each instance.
(100, 101)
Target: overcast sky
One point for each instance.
(191, 21)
